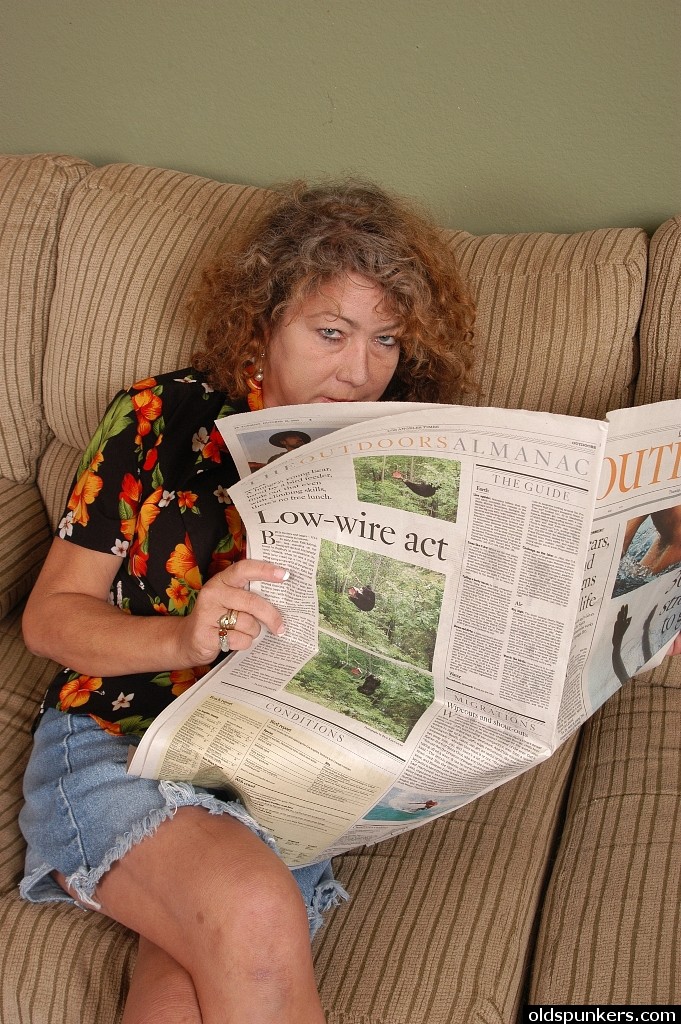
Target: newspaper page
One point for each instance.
(630, 601)
(257, 440)
(436, 563)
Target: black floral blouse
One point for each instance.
(152, 488)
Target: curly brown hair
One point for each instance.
(306, 236)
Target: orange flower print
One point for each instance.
(86, 489)
(179, 594)
(111, 727)
(149, 511)
(187, 500)
(183, 678)
(138, 560)
(210, 446)
(147, 408)
(143, 385)
(236, 528)
(182, 564)
(152, 455)
(77, 691)
(128, 504)
(232, 546)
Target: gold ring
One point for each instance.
(227, 621)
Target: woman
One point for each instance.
(336, 294)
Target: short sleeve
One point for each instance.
(108, 471)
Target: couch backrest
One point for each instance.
(557, 323)
(660, 376)
(34, 193)
(557, 317)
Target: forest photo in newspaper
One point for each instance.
(378, 622)
(412, 483)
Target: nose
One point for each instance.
(354, 367)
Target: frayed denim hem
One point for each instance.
(327, 894)
(84, 882)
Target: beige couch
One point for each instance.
(562, 886)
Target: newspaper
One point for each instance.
(467, 587)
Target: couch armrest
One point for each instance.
(25, 537)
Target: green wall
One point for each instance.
(500, 115)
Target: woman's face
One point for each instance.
(340, 346)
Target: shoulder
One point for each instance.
(184, 392)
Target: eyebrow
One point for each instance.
(332, 315)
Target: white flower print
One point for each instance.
(122, 701)
(207, 388)
(120, 548)
(200, 440)
(66, 525)
(185, 380)
(166, 498)
(221, 494)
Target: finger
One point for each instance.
(240, 640)
(256, 608)
(248, 570)
(246, 624)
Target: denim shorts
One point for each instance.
(83, 812)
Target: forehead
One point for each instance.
(348, 295)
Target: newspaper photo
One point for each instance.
(466, 587)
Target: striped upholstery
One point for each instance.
(77, 971)
(33, 195)
(130, 245)
(610, 922)
(57, 964)
(55, 473)
(439, 929)
(612, 915)
(557, 317)
(660, 376)
(24, 540)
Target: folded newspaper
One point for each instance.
(467, 587)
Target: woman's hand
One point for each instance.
(199, 641)
(69, 618)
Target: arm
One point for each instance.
(622, 623)
(68, 616)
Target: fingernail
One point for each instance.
(282, 574)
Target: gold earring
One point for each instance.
(260, 373)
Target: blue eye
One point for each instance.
(330, 333)
(387, 339)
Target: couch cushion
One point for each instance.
(660, 376)
(19, 701)
(55, 473)
(557, 317)
(24, 540)
(79, 967)
(34, 192)
(130, 245)
(440, 925)
(611, 919)
(80, 962)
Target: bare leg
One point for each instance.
(161, 990)
(222, 905)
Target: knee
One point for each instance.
(268, 898)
